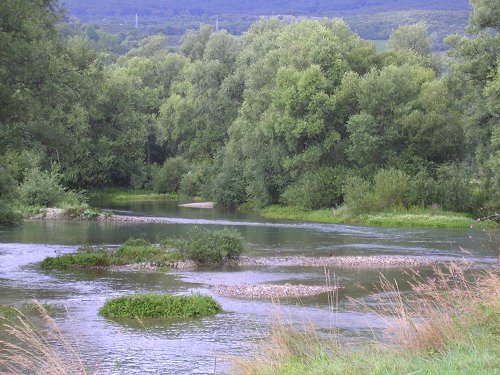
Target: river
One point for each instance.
(198, 346)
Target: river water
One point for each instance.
(198, 346)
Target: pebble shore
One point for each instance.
(339, 261)
(263, 291)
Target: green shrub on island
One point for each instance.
(207, 247)
(159, 306)
(98, 258)
(133, 251)
(203, 246)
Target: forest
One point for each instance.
(306, 114)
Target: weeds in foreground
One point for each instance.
(448, 325)
(27, 349)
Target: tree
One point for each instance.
(414, 38)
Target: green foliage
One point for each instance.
(10, 311)
(159, 306)
(191, 183)
(8, 215)
(413, 38)
(42, 188)
(168, 178)
(82, 212)
(319, 189)
(133, 251)
(417, 217)
(78, 260)
(390, 188)
(358, 196)
(207, 247)
(456, 189)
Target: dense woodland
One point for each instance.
(303, 113)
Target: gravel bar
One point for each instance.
(340, 261)
(263, 291)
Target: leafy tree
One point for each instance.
(412, 38)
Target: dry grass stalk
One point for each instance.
(28, 349)
(440, 306)
(427, 319)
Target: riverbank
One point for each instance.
(61, 214)
(411, 218)
(449, 326)
(123, 195)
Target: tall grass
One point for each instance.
(449, 325)
(25, 348)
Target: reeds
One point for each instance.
(26, 348)
(455, 308)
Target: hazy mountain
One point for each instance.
(95, 9)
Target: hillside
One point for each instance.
(96, 9)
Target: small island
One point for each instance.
(159, 306)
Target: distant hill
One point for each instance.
(88, 10)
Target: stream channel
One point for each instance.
(198, 346)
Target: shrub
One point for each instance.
(319, 189)
(207, 247)
(358, 196)
(42, 188)
(190, 184)
(390, 188)
(78, 260)
(168, 177)
(423, 190)
(159, 306)
(455, 188)
(7, 194)
(138, 251)
(82, 212)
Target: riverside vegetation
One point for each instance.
(258, 120)
(202, 246)
(449, 325)
(159, 306)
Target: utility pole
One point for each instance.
(136, 21)
(217, 25)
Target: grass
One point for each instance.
(133, 251)
(450, 325)
(159, 306)
(11, 311)
(26, 348)
(204, 247)
(122, 195)
(396, 217)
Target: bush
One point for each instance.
(191, 183)
(207, 247)
(455, 188)
(319, 189)
(78, 260)
(133, 251)
(390, 189)
(168, 178)
(159, 306)
(358, 196)
(8, 216)
(423, 190)
(42, 188)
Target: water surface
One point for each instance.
(197, 346)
